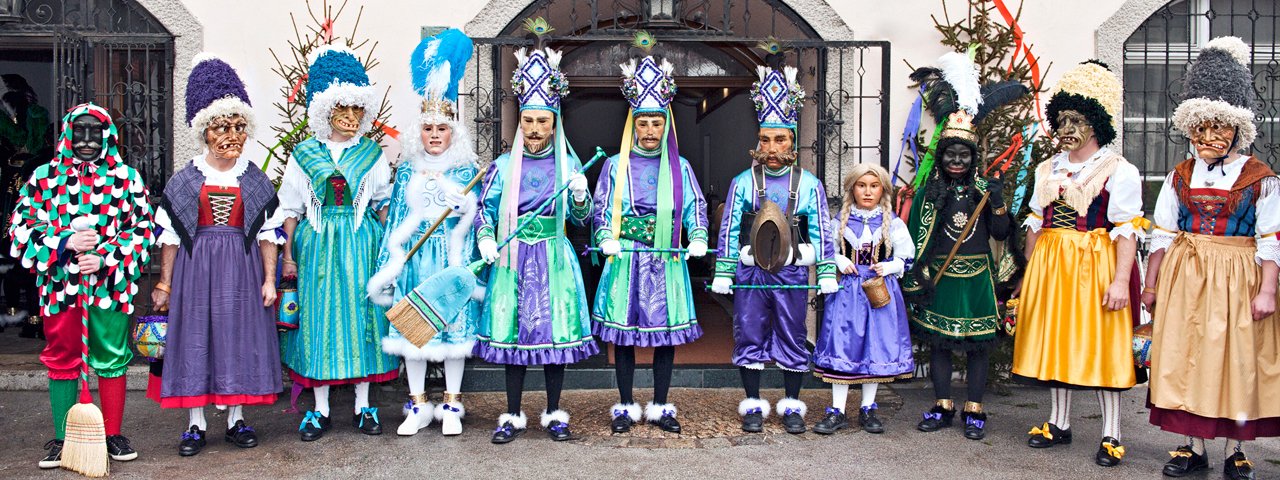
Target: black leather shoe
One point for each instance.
(621, 423)
(367, 421)
(835, 420)
(505, 434)
(867, 418)
(559, 431)
(313, 426)
(793, 422)
(1185, 462)
(192, 442)
(242, 435)
(753, 421)
(1048, 436)
(975, 425)
(119, 450)
(1109, 453)
(54, 458)
(937, 418)
(1236, 467)
(667, 423)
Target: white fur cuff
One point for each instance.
(631, 410)
(748, 404)
(793, 405)
(441, 411)
(519, 422)
(558, 415)
(655, 411)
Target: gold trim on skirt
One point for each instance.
(1208, 356)
(1065, 334)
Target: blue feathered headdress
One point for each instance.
(439, 63)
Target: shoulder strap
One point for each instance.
(968, 227)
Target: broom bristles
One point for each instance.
(410, 323)
(84, 450)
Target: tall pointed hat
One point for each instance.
(214, 89)
(777, 94)
(336, 77)
(538, 81)
(1218, 86)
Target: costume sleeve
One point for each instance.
(602, 216)
(695, 206)
(164, 225)
(739, 200)
(998, 226)
(490, 198)
(1124, 209)
(900, 237)
(37, 243)
(1268, 221)
(1166, 216)
(383, 177)
(273, 229)
(1035, 214)
(295, 192)
(819, 231)
(124, 254)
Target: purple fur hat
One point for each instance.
(215, 90)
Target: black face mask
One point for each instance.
(86, 138)
(957, 160)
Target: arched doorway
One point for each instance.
(712, 45)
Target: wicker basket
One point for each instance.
(877, 292)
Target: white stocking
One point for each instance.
(234, 413)
(839, 396)
(1197, 445)
(416, 371)
(869, 393)
(1109, 400)
(196, 418)
(362, 396)
(322, 399)
(1060, 407)
(453, 374)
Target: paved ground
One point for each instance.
(901, 452)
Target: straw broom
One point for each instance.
(414, 324)
(85, 447)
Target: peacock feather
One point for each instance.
(538, 26)
(771, 45)
(644, 41)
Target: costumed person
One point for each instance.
(434, 166)
(26, 142)
(1075, 319)
(951, 286)
(865, 338)
(1211, 276)
(333, 200)
(646, 198)
(218, 270)
(769, 323)
(535, 306)
(87, 184)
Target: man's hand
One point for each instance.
(89, 263)
(461, 203)
(290, 269)
(721, 285)
(488, 250)
(610, 247)
(828, 286)
(268, 293)
(1264, 305)
(1117, 296)
(845, 265)
(578, 185)
(1148, 299)
(697, 249)
(159, 299)
(84, 241)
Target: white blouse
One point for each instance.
(298, 199)
(903, 247)
(216, 178)
(1268, 208)
(1124, 187)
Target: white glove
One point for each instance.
(697, 248)
(744, 256)
(578, 185)
(610, 247)
(891, 267)
(461, 204)
(828, 286)
(844, 265)
(721, 285)
(488, 250)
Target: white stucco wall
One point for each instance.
(1063, 32)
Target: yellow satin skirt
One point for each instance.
(1208, 356)
(1065, 335)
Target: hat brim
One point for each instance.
(222, 107)
(1194, 111)
(340, 93)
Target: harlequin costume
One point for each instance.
(333, 188)
(647, 199)
(423, 185)
(113, 197)
(953, 302)
(1080, 215)
(221, 345)
(860, 341)
(1215, 368)
(535, 307)
(769, 324)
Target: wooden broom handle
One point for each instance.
(445, 214)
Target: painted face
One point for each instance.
(867, 191)
(226, 136)
(649, 130)
(1212, 139)
(776, 148)
(1074, 131)
(86, 137)
(436, 138)
(346, 119)
(957, 160)
(538, 127)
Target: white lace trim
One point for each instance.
(1160, 240)
(1268, 250)
(866, 214)
(219, 178)
(1033, 223)
(1127, 230)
